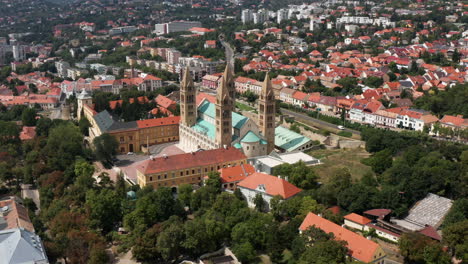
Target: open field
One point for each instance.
(334, 159)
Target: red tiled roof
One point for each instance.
(28, 133)
(165, 102)
(163, 121)
(273, 185)
(335, 210)
(357, 219)
(378, 212)
(359, 247)
(430, 232)
(453, 120)
(190, 160)
(17, 215)
(202, 96)
(236, 173)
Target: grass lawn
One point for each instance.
(334, 159)
(244, 107)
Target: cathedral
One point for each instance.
(209, 125)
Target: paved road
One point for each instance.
(28, 192)
(317, 122)
(229, 53)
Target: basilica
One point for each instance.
(209, 125)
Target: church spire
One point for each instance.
(188, 108)
(266, 113)
(228, 77)
(224, 113)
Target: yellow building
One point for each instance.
(171, 171)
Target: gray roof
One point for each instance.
(428, 211)
(19, 246)
(107, 122)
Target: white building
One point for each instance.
(281, 15)
(260, 17)
(247, 16)
(354, 20)
(175, 26)
(267, 186)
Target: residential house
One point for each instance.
(267, 186)
(231, 176)
(211, 81)
(356, 221)
(243, 84)
(286, 95)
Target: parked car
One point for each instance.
(130, 153)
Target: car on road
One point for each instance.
(341, 127)
(130, 153)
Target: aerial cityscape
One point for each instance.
(233, 131)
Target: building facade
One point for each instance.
(190, 168)
(210, 125)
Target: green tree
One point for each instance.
(84, 125)
(29, 117)
(185, 193)
(104, 208)
(9, 133)
(152, 208)
(455, 236)
(259, 202)
(105, 147)
(245, 252)
(170, 240)
(298, 174)
(146, 246)
(417, 248)
(64, 144)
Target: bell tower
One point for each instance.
(83, 99)
(266, 113)
(228, 77)
(223, 108)
(188, 109)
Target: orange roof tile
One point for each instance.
(236, 173)
(191, 160)
(273, 185)
(357, 219)
(163, 121)
(359, 247)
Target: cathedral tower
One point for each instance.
(188, 107)
(266, 113)
(228, 77)
(224, 108)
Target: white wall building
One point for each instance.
(267, 186)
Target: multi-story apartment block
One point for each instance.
(175, 26)
(172, 56)
(247, 16)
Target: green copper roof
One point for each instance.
(208, 109)
(205, 127)
(289, 140)
(250, 137)
(237, 146)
